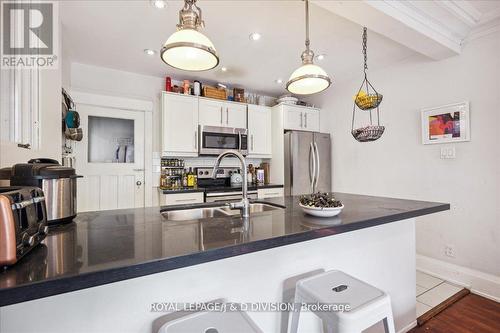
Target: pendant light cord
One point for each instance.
(307, 25)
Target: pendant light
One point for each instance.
(187, 48)
(309, 78)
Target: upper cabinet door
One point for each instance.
(235, 115)
(311, 120)
(293, 118)
(212, 112)
(180, 125)
(259, 131)
(301, 118)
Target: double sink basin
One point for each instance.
(215, 212)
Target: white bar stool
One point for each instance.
(211, 322)
(368, 305)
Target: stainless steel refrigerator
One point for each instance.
(307, 163)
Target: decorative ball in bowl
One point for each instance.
(320, 204)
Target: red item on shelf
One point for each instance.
(168, 84)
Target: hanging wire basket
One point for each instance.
(367, 101)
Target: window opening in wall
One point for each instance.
(110, 140)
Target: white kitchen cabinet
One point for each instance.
(236, 115)
(180, 125)
(301, 118)
(259, 131)
(311, 120)
(181, 198)
(212, 112)
(222, 114)
(264, 193)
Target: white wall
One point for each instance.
(106, 81)
(399, 165)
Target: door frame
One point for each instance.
(125, 103)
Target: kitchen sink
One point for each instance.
(214, 212)
(193, 214)
(254, 208)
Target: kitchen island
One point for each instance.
(103, 272)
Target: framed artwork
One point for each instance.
(445, 124)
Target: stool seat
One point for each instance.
(211, 322)
(364, 304)
(336, 287)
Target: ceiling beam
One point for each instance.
(401, 22)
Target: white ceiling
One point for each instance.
(114, 34)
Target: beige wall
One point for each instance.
(399, 165)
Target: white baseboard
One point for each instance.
(408, 327)
(480, 283)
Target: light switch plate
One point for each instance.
(448, 152)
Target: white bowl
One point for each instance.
(321, 212)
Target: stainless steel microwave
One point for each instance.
(215, 140)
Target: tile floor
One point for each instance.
(431, 291)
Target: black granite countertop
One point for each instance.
(252, 187)
(110, 246)
(183, 190)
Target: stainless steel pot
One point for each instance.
(60, 197)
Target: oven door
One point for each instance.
(228, 196)
(216, 140)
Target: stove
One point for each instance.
(220, 189)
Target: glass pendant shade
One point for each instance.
(308, 79)
(190, 50)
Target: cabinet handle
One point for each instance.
(301, 120)
(221, 115)
(195, 139)
(24, 145)
(305, 119)
(227, 116)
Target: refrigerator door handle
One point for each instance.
(317, 165)
(311, 150)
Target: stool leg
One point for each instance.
(327, 328)
(294, 322)
(389, 323)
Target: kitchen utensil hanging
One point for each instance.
(367, 101)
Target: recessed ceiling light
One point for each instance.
(160, 4)
(224, 69)
(149, 52)
(279, 81)
(320, 56)
(255, 36)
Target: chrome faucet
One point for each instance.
(243, 205)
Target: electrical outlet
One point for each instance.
(449, 251)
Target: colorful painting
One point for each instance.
(448, 123)
(442, 126)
